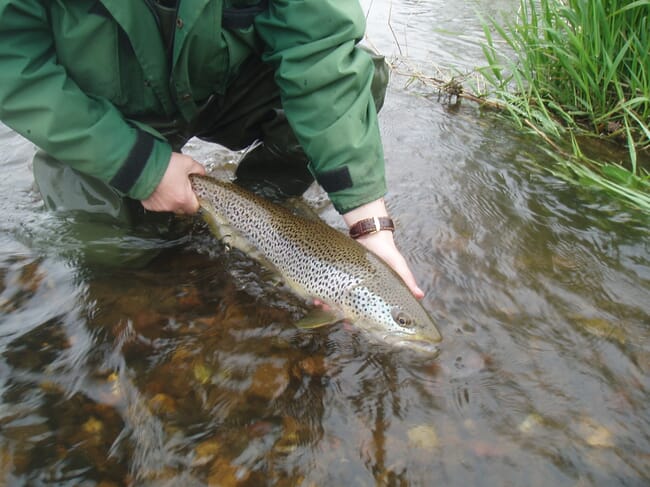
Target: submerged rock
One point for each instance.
(206, 451)
(312, 366)
(269, 381)
(424, 437)
(162, 404)
(224, 473)
(530, 424)
(594, 434)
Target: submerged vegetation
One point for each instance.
(579, 71)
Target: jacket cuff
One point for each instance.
(144, 166)
(358, 195)
(127, 175)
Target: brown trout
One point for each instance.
(318, 262)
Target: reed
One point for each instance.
(579, 69)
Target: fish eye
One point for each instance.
(401, 318)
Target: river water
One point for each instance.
(186, 370)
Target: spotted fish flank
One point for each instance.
(318, 261)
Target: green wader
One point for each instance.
(250, 112)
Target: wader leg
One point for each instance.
(65, 190)
(251, 112)
(101, 226)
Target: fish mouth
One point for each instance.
(413, 343)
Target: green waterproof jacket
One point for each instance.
(78, 77)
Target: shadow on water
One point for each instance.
(185, 369)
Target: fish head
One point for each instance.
(385, 307)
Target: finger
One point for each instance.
(415, 289)
(187, 206)
(382, 244)
(407, 276)
(198, 169)
(194, 205)
(321, 304)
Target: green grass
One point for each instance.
(579, 70)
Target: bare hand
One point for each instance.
(383, 244)
(174, 192)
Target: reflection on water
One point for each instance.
(186, 370)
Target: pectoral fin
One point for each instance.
(318, 317)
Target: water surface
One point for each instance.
(186, 369)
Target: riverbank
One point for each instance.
(578, 74)
(575, 75)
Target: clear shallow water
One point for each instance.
(187, 370)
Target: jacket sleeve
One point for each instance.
(41, 102)
(324, 82)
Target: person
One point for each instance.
(111, 91)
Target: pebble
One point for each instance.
(205, 452)
(531, 422)
(424, 437)
(269, 381)
(162, 404)
(595, 434)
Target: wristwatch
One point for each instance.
(371, 225)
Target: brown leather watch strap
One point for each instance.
(371, 225)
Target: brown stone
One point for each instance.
(224, 474)
(269, 381)
(162, 404)
(206, 451)
(314, 366)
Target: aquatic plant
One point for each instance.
(579, 70)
